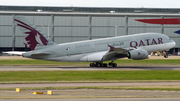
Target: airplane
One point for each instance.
(136, 47)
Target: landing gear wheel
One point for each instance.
(91, 64)
(98, 64)
(104, 65)
(110, 64)
(114, 65)
(166, 56)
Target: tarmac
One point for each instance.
(88, 93)
(98, 99)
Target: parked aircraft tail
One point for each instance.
(178, 32)
(35, 39)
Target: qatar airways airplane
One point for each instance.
(135, 46)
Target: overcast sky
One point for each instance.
(96, 3)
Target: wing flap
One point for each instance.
(116, 52)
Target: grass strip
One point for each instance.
(105, 81)
(121, 62)
(87, 76)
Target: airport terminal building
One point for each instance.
(69, 24)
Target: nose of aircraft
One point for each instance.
(173, 43)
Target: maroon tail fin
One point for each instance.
(33, 38)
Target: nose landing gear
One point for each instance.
(166, 54)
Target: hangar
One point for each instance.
(69, 24)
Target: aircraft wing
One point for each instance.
(14, 52)
(116, 52)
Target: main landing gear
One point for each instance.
(100, 64)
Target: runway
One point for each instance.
(60, 68)
(88, 84)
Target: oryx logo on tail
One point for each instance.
(34, 36)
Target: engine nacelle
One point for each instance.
(137, 54)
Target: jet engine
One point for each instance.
(138, 54)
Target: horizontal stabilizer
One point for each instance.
(14, 52)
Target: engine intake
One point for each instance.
(138, 54)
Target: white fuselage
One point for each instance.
(94, 50)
